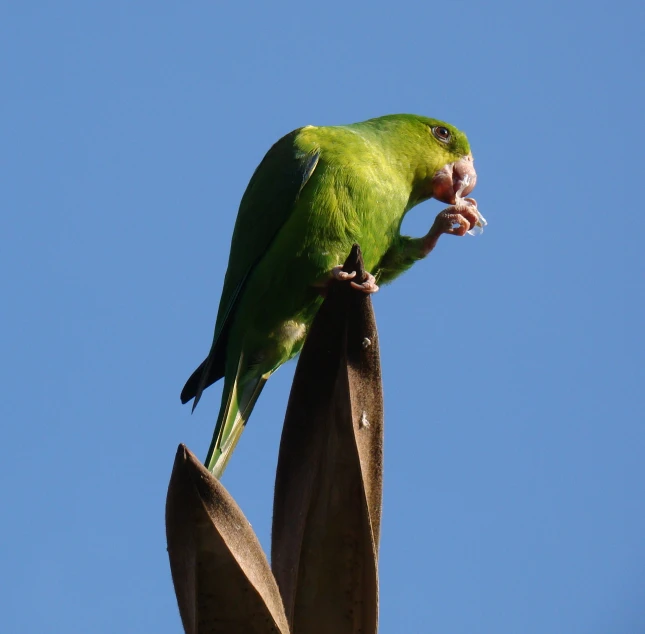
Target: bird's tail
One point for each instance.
(238, 400)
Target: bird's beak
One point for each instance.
(454, 181)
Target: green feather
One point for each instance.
(317, 191)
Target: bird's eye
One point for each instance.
(442, 133)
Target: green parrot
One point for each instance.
(317, 191)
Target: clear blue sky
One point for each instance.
(513, 362)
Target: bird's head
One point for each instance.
(436, 155)
(446, 170)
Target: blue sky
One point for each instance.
(513, 362)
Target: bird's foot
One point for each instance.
(457, 220)
(337, 273)
(367, 286)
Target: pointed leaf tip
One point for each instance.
(221, 576)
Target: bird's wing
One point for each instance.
(268, 201)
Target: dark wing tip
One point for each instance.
(190, 389)
(187, 393)
(210, 370)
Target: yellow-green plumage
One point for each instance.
(316, 192)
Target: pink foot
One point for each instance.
(464, 216)
(456, 220)
(338, 274)
(367, 286)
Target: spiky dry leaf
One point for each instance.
(222, 579)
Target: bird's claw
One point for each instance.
(367, 286)
(459, 219)
(338, 274)
(455, 224)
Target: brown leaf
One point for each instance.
(222, 579)
(327, 505)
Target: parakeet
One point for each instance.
(317, 191)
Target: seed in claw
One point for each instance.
(470, 204)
